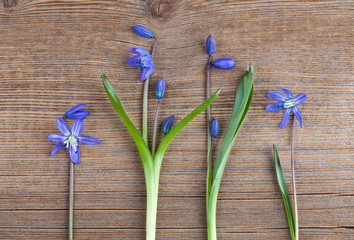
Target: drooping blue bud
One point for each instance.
(167, 124)
(210, 45)
(76, 113)
(143, 32)
(224, 63)
(214, 128)
(160, 88)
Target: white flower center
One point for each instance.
(289, 103)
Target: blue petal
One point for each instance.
(80, 114)
(56, 137)
(300, 98)
(142, 51)
(76, 107)
(285, 118)
(89, 140)
(210, 45)
(133, 50)
(214, 128)
(274, 107)
(287, 92)
(298, 115)
(56, 148)
(160, 88)
(224, 63)
(167, 124)
(133, 60)
(63, 127)
(75, 153)
(146, 72)
(78, 127)
(277, 96)
(143, 32)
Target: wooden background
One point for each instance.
(52, 55)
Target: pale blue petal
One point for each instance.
(300, 98)
(146, 72)
(56, 148)
(133, 61)
(133, 50)
(89, 140)
(298, 115)
(78, 127)
(63, 127)
(287, 92)
(142, 51)
(285, 118)
(56, 137)
(80, 114)
(277, 96)
(76, 107)
(274, 107)
(75, 153)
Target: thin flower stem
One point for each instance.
(71, 201)
(145, 101)
(155, 129)
(208, 92)
(293, 179)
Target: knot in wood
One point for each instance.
(161, 9)
(8, 3)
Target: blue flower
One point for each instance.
(288, 103)
(70, 139)
(210, 45)
(167, 124)
(143, 32)
(160, 88)
(143, 60)
(224, 63)
(214, 128)
(76, 113)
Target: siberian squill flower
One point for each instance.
(224, 63)
(210, 45)
(167, 124)
(143, 60)
(70, 139)
(76, 113)
(214, 128)
(288, 103)
(143, 32)
(160, 88)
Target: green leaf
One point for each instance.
(242, 103)
(140, 143)
(285, 194)
(174, 131)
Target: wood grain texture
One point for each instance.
(52, 55)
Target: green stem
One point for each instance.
(145, 102)
(71, 200)
(155, 129)
(151, 207)
(145, 110)
(211, 216)
(293, 180)
(210, 169)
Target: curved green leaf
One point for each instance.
(140, 143)
(168, 138)
(285, 194)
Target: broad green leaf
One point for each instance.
(242, 103)
(174, 131)
(140, 143)
(285, 194)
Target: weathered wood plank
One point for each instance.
(52, 55)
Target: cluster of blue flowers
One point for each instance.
(70, 139)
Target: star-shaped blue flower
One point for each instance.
(143, 60)
(288, 103)
(70, 139)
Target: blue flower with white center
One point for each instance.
(143, 60)
(143, 32)
(76, 113)
(70, 139)
(288, 103)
